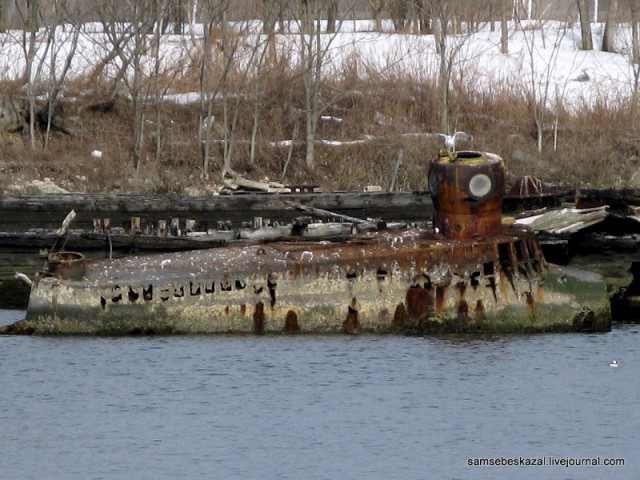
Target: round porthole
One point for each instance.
(480, 186)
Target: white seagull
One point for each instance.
(614, 363)
(450, 140)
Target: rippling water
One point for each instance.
(312, 407)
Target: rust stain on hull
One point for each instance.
(305, 287)
(481, 275)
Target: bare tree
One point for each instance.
(162, 73)
(228, 65)
(585, 24)
(421, 16)
(378, 7)
(635, 43)
(399, 10)
(107, 48)
(129, 44)
(3, 16)
(610, 28)
(32, 75)
(209, 128)
(635, 40)
(447, 51)
(43, 49)
(312, 56)
(142, 27)
(68, 42)
(504, 27)
(272, 13)
(540, 90)
(332, 15)
(33, 9)
(266, 60)
(314, 49)
(177, 16)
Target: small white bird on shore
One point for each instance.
(450, 140)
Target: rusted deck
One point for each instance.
(402, 246)
(405, 281)
(469, 273)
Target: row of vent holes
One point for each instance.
(147, 294)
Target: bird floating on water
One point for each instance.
(614, 363)
(450, 140)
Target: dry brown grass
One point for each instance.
(597, 147)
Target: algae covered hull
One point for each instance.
(408, 280)
(467, 273)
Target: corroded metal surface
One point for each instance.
(404, 281)
(467, 190)
(470, 273)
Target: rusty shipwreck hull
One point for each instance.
(411, 280)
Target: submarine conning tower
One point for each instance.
(467, 189)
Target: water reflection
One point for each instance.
(316, 407)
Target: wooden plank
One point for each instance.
(319, 212)
(21, 213)
(245, 201)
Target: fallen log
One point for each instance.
(238, 182)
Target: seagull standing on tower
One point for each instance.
(450, 140)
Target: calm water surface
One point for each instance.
(312, 407)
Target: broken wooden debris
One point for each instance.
(236, 182)
(565, 220)
(319, 212)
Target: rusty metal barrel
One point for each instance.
(467, 189)
(67, 265)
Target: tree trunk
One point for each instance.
(270, 17)
(33, 7)
(308, 10)
(399, 14)
(635, 48)
(138, 134)
(138, 105)
(312, 87)
(206, 120)
(310, 140)
(438, 35)
(585, 24)
(3, 13)
(179, 16)
(539, 133)
(441, 48)
(422, 17)
(378, 7)
(332, 14)
(312, 64)
(610, 27)
(504, 27)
